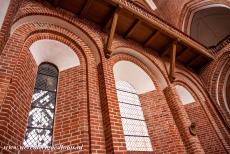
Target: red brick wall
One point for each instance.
(210, 75)
(71, 125)
(97, 138)
(111, 115)
(207, 135)
(195, 86)
(182, 120)
(92, 115)
(162, 129)
(14, 110)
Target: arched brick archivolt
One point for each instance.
(218, 82)
(123, 56)
(226, 87)
(18, 75)
(220, 88)
(152, 61)
(61, 23)
(213, 76)
(200, 113)
(30, 12)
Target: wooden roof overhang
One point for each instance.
(132, 22)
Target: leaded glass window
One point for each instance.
(133, 121)
(39, 130)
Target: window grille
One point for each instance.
(39, 130)
(133, 121)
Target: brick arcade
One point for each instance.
(73, 77)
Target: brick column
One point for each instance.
(182, 120)
(162, 128)
(114, 137)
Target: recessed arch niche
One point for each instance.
(61, 23)
(134, 75)
(55, 52)
(185, 96)
(147, 62)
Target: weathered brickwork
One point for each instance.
(87, 111)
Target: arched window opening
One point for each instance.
(128, 71)
(133, 121)
(185, 96)
(39, 130)
(55, 52)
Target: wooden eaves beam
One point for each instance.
(173, 62)
(192, 60)
(85, 8)
(151, 38)
(182, 52)
(112, 32)
(164, 29)
(168, 48)
(132, 28)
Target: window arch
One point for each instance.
(39, 130)
(133, 121)
(184, 95)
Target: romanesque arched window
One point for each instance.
(133, 121)
(40, 121)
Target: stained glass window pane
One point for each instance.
(48, 69)
(45, 82)
(132, 117)
(134, 127)
(138, 143)
(43, 99)
(40, 120)
(38, 138)
(131, 111)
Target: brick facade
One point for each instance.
(87, 111)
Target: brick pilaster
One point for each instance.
(182, 120)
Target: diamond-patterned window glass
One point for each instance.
(39, 130)
(133, 121)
